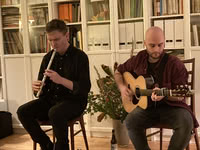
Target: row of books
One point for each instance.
(98, 10)
(10, 2)
(69, 12)
(39, 42)
(174, 32)
(38, 16)
(10, 17)
(195, 6)
(167, 7)
(130, 8)
(76, 37)
(13, 43)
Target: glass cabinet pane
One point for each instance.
(38, 16)
(70, 12)
(195, 29)
(98, 10)
(99, 39)
(75, 36)
(130, 9)
(12, 28)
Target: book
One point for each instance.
(65, 12)
(195, 35)
(79, 38)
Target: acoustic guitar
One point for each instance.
(139, 87)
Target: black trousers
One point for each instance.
(59, 114)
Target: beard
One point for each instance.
(155, 55)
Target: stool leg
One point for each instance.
(54, 138)
(34, 145)
(72, 136)
(196, 139)
(84, 133)
(188, 147)
(161, 137)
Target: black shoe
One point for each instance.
(48, 146)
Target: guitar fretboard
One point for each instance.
(148, 92)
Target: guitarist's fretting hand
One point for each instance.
(155, 97)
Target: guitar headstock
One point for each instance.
(182, 91)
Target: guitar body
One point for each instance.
(142, 87)
(133, 83)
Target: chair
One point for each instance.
(70, 124)
(191, 85)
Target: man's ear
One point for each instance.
(67, 36)
(145, 44)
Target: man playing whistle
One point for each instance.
(63, 96)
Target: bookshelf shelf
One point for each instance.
(74, 23)
(167, 16)
(37, 5)
(58, 1)
(131, 19)
(194, 14)
(13, 5)
(14, 56)
(195, 48)
(98, 22)
(37, 26)
(11, 28)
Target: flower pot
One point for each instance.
(121, 133)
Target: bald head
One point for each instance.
(154, 32)
(154, 42)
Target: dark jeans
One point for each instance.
(59, 114)
(179, 119)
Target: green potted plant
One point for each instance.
(108, 100)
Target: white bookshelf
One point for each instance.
(19, 70)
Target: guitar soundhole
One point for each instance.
(137, 93)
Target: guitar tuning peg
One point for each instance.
(181, 86)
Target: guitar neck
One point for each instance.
(148, 92)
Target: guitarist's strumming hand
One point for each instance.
(154, 96)
(126, 93)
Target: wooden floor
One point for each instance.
(23, 142)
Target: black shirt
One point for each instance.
(151, 70)
(74, 66)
